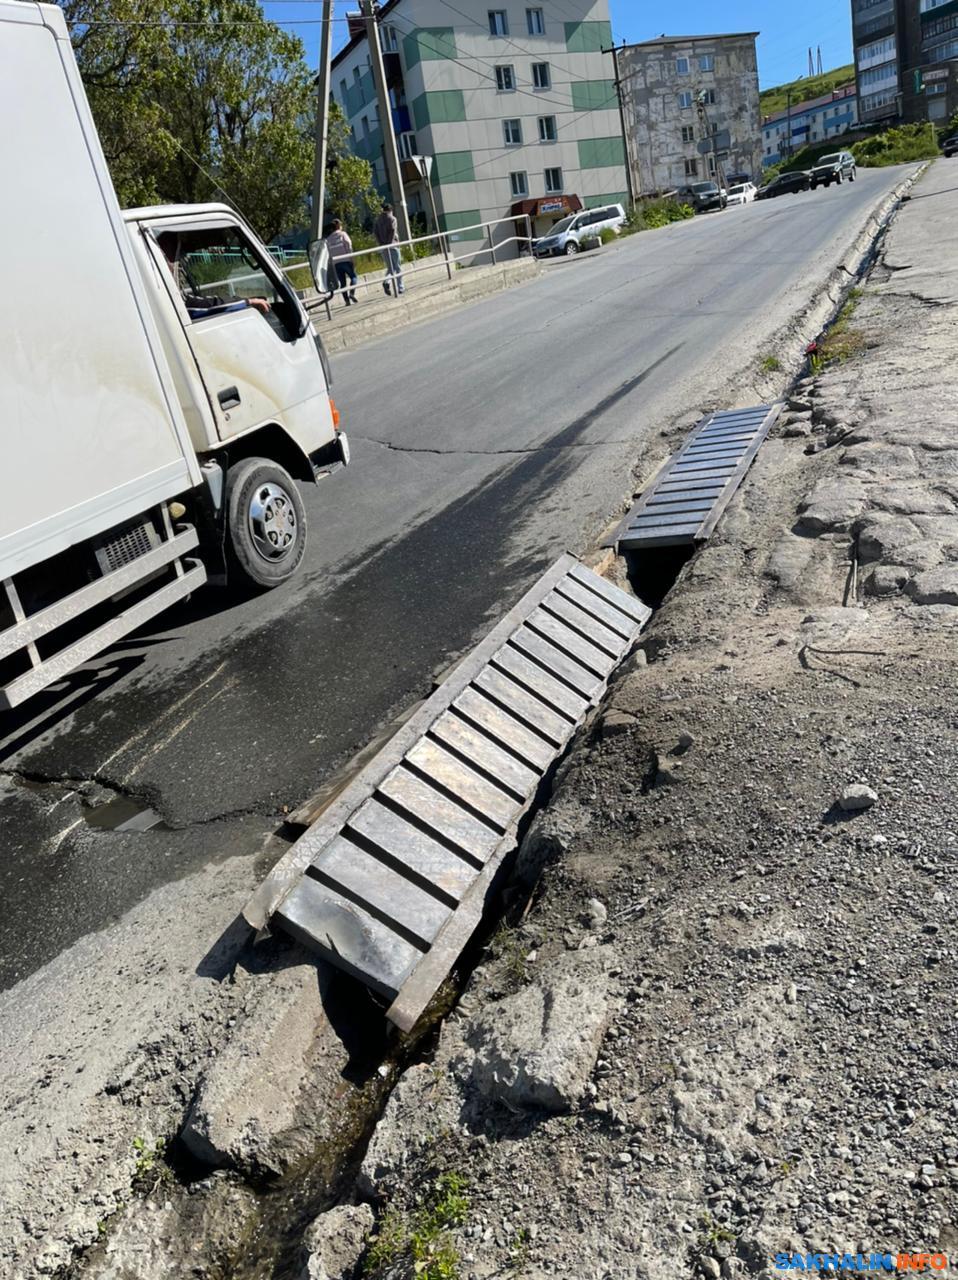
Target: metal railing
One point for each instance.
(450, 260)
(443, 239)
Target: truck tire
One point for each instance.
(266, 523)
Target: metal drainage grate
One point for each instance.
(684, 501)
(389, 883)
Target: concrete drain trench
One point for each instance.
(268, 1243)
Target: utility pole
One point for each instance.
(625, 135)
(710, 133)
(322, 123)
(788, 122)
(386, 118)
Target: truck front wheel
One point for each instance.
(266, 522)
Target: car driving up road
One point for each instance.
(834, 168)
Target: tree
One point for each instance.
(350, 192)
(199, 100)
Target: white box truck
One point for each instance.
(162, 388)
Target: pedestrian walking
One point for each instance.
(386, 230)
(341, 251)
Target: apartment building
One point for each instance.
(905, 59)
(807, 123)
(515, 104)
(691, 106)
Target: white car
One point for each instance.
(742, 193)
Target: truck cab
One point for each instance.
(250, 372)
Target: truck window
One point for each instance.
(218, 270)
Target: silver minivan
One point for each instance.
(566, 236)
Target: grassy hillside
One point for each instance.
(774, 100)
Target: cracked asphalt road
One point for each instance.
(486, 442)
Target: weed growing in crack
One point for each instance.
(422, 1239)
(508, 947)
(149, 1170)
(771, 364)
(713, 1232)
(841, 341)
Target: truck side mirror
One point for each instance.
(321, 266)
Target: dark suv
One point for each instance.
(833, 168)
(786, 184)
(707, 195)
(950, 146)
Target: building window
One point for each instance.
(691, 168)
(364, 122)
(706, 62)
(688, 133)
(498, 22)
(547, 129)
(708, 97)
(357, 75)
(388, 40)
(685, 99)
(343, 90)
(520, 183)
(505, 79)
(553, 179)
(541, 75)
(407, 145)
(535, 22)
(711, 160)
(512, 133)
(681, 66)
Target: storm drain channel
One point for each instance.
(683, 502)
(390, 882)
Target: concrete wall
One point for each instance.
(654, 76)
(457, 111)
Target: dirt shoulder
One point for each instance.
(725, 1029)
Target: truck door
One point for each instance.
(257, 358)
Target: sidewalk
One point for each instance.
(725, 1030)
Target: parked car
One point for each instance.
(736, 179)
(742, 193)
(834, 168)
(786, 184)
(950, 146)
(707, 195)
(567, 236)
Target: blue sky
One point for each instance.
(787, 29)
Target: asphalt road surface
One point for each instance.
(485, 443)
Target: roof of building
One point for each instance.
(812, 104)
(356, 40)
(715, 35)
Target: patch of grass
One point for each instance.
(508, 946)
(842, 341)
(607, 235)
(423, 1238)
(771, 364)
(775, 99)
(899, 145)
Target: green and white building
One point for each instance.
(516, 104)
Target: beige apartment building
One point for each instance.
(515, 103)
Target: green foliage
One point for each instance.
(423, 1240)
(948, 130)
(199, 100)
(607, 235)
(841, 340)
(776, 99)
(649, 214)
(350, 193)
(899, 145)
(771, 364)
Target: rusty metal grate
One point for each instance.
(684, 501)
(389, 883)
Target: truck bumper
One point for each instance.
(331, 456)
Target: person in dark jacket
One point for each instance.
(386, 230)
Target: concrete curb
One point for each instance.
(412, 310)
